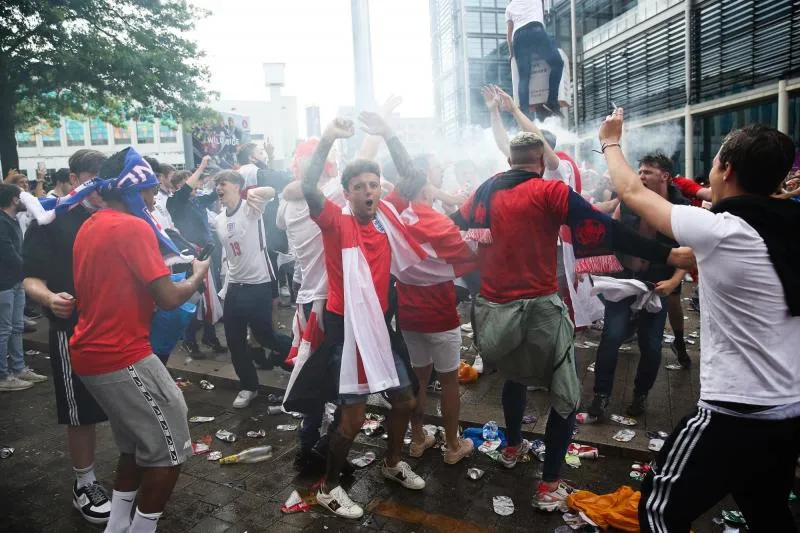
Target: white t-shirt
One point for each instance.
(564, 173)
(522, 12)
(305, 238)
(748, 341)
(250, 174)
(160, 213)
(244, 238)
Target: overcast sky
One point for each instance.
(314, 39)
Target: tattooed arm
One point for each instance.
(340, 128)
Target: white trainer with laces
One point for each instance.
(13, 383)
(339, 503)
(403, 474)
(92, 502)
(477, 364)
(244, 398)
(29, 375)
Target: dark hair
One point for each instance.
(165, 169)
(245, 153)
(112, 168)
(7, 194)
(358, 167)
(154, 164)
(659, 160)
(550, 137)
(61, 176)
(179, 176)
(86, 160)
(231, 176)
(760, 156)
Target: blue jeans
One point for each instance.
(615, 331)
(12, 325)
(557, 433)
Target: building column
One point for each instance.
(783, 107)
(688, 163)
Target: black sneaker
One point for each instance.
(598, 406)
(216, 346)
(683, 357)
(192, 348)
(637, 407)
(92, 502)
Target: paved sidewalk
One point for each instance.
(209, 498)
(673, 395)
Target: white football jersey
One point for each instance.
(244, 238)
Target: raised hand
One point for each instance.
(391, 103)
(340, 128)
(374, 124)
(504, 99)
(490, 98)
(611, 128)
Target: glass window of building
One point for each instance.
(474, 47)
(25, 139)
(488, 23)
(98, 132)
(167, 134)
(472, 22)
(50, 136)
(76, 134)
(145, 133)
(122, 135)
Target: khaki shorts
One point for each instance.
(147, 412)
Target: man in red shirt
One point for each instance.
(120, 276)
(340, 230)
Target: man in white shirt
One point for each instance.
(744, 437)
(250, 277)
(527, 38)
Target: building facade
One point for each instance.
(52, 146)
(686, 71)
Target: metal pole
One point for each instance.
(688, 163)
(573, 28)
(783, 107)
(362, 54)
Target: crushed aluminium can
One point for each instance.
(583, 451)
(474, 473)
(363, 460)
(256, 434)
(503, 505)
(287, 427)
(624, 435)
(624, 420)
(214, 456)
(206, 385)
(200, 419)
(6, 452)
(225, 435)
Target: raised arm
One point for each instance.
(492, 101)
(551, 160)
(340, 128)
(371, 144)
(411, 178)
(193, 181)
(650, 206)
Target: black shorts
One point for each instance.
(75, 405)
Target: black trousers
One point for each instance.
(530, 40)
(710, 455)
(251, 305)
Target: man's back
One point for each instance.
(305, 238)
(748, 339)
(115, 258)
(521, 260)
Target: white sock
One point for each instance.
(121, 506)
(84, 476)
(144, 522)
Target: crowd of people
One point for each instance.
(123, 245)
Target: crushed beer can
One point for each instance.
(529, 419)
(296, 415)
(583, 451)
(624, 435)
(256, 434)
(489, 446)
(538, 449)
(585, 418)
(733, 517)
(370, 426)
(637, 476)
(202, 446)
(591, 367)
(363, 460)
(503, 505)
(274, 409)
(32, 352)
(6, 452)
(655, 445)
(624, 420)
(225, 435)
(657, 435)
(200, 419)
(206, 385)
(673, 366)
(474, 473)
(274, 398)
(375, 416)
(287, 427)
(214, 456)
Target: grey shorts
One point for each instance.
(147, 412)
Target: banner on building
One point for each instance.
(221, 139)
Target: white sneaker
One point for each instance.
(467, 328)
(92, 502)
(12, 383)
(477, 364)
(29, 375)
(244, 398)
(339, 503)
(403, 474)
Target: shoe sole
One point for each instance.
(458, 460)
(26, 387)
(90, 519)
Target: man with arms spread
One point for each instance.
(120, 276)
(748, 257)
(47, 253)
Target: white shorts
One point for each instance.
(443, 349)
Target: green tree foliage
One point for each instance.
(111, 59)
